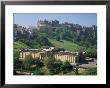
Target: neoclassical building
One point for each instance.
(72, 57)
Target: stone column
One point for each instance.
(75, 59)
(69, 59)
(60, 58)
(65, 57)
(39, 56)
(21, 54)
(34, 54)
(42, 57)
(30, 53)
(55, 56)
(72, 59)
(24, 54)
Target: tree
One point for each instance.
(76, 69)
(53, 65)
(91, 52)
(66, 67)
(28, 62)
(58, 37)
(38, 71)
(17, 64)
(57, 65)
(31, 64)
(38, 63)
(49, 62)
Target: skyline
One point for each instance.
(30, 19)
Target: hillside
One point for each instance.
(67, 45)
(19, 45)
(74, 38)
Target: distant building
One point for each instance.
(55, 23)
(20, 30)
(42, 24)
(46, 24)
(72, 57)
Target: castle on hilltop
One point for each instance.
(45, 23)
(72, 57)
(19, 30)
(54, 23)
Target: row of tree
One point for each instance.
(36, 66)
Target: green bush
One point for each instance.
(17, 63)
(28, 62)
(66, 67)
(38, 63)
(38, 71)
(91, 52)
(53, 65)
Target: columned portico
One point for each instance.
(63, 56)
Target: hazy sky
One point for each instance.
(30, 19)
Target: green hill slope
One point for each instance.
(69, 46)
(19, 45)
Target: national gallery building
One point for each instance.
(72, 57)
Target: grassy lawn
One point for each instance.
(67, 45)
(19, 45)
(88, 71)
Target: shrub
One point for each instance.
(53, 65)
(66, 67)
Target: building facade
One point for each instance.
(72, 57)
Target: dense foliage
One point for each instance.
(84, 36)
(53, 65)
(50, 66)
(77, 38)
